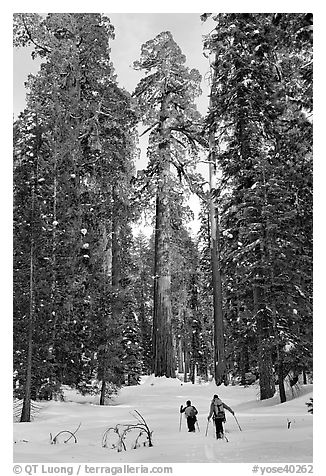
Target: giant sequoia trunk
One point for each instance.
(163, 346)
(220, 369)
(219, 352)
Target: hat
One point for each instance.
(188, 402)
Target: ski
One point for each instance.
(225, 438)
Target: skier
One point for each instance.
(190, 411)
(217, 410)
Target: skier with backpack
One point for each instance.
(217, 411)
(190, 411)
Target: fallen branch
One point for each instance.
(149, 433)
(54, 440)
(119, 445)
(73, 434)
(121, 432)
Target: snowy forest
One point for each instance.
(97, 302)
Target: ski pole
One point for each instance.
(207, 428)
(198, 425)
(180, 422)
(237, 422)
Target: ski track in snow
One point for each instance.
(264, 437)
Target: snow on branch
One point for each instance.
(128, 436)
(55, 439)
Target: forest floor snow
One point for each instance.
(265, 436)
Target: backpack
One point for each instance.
(219, 412)
(191, 412)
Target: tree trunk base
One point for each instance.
(103, 391)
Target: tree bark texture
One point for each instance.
(281, 377)
(53, 297)
(115, 285)
(180, 356)
(220, 370)
(162, 326)
(163, 345)
(265, 362)
(219, 351)
(26, 409)
(103, 392)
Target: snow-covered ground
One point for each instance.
(265, 436)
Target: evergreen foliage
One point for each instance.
(262, 102)
(77, 164)
(96, 303)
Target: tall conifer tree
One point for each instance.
(261, 102)
(166, 104)
(86, 126)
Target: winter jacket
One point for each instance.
(189, 411)
(217, 406)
